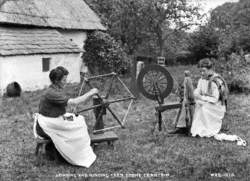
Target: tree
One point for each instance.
(129, 25)
(221, 17)
(137, 22)
(232, 22)
(124, 21)
(204, 43)
(164, 17)
(103, 54)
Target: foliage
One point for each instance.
(204, 43)
(242, 38)
(128, 25)
(231, 15)
(124, 21)
(235, 70)
(221, 17)
(137, 23)
(164, 17)
(176, 48)
(185, 58)
(232, 22)
(227, 32)
(104, 54)
(154, 27)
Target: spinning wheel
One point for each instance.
(155, 82)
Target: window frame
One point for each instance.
(46, 64)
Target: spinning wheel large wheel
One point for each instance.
(155, 81)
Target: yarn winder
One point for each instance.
(101, 107)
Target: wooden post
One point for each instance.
(159, 121)
(133, 83)
(99, 112)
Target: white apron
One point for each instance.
(71, 138)
(207, 119)
(209, 112)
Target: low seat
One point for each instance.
(41, 142)
(40, 146)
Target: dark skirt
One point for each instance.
(40, 132)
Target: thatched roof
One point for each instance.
(65, 14)
(22, 41)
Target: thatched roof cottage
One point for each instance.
(37, 35)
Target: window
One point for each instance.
(46, 63)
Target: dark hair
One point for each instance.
(57, 74)
(205, 63)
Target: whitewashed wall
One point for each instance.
(77, 36)
(27, 70)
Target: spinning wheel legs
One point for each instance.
(158, 114)
(158, 121)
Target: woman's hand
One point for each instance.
(83, 98)
(200, 102)
(198, 96)
(94, 91)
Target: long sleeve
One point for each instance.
(214, 97)
(53, 103)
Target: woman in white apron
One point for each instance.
(210, 97)
(69, 136)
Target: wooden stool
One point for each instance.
(40, 147)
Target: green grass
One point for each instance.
(138, 150)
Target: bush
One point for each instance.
(185, 58)
(103, 54)
(235, 71)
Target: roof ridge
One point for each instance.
(65, 14)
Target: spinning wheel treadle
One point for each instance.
(154, 82)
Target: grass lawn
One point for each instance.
(138, 154)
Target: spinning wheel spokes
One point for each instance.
(153, 78)
(154, 81)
